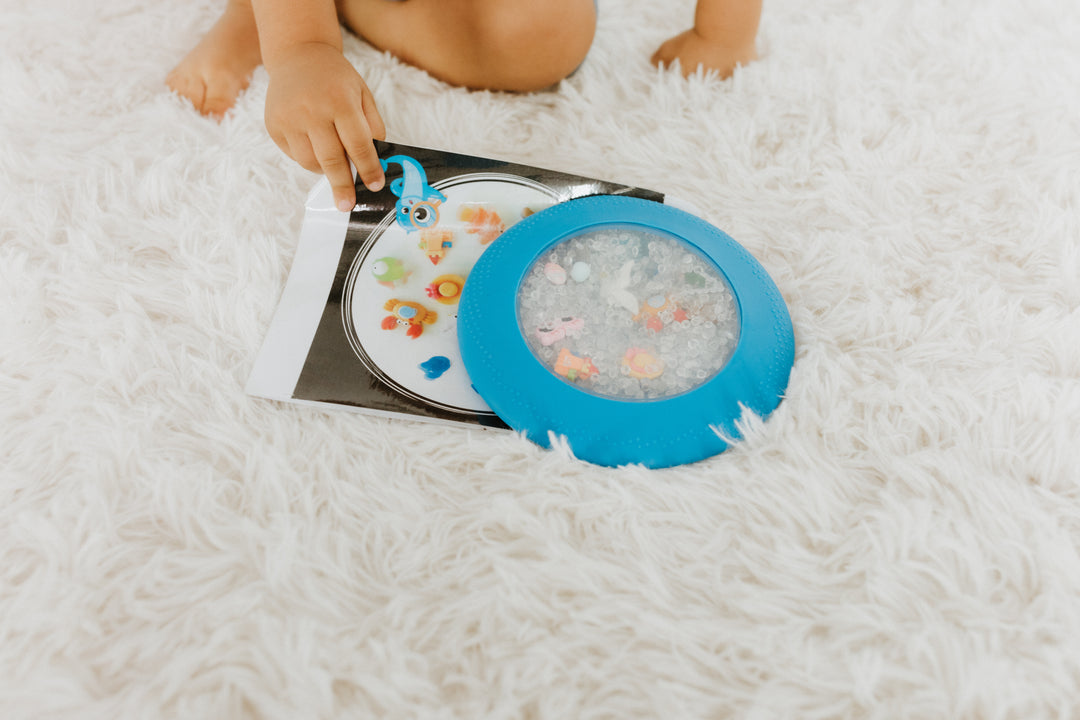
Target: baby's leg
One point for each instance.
(490, 44)
(220, 66)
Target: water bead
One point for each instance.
(580, 271)
(692, 351)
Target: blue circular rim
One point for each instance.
(607, 431)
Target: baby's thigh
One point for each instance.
(496, 44)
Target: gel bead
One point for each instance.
(657, 318)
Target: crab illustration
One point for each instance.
(652, 308)
(411, 315)
(418, 203)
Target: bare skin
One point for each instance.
(321, 113)
(722, 38)
(218, 69)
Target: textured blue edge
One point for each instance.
(659, 433)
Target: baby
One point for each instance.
(320, 112)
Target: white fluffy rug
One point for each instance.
(899, 540)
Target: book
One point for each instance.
(367, 318)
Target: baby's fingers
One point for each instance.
(298, 147)
(335, 166)
(374, 119)
(356, 136)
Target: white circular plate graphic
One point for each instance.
(476, 205)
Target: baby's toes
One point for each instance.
(187, 85)
(222, 89)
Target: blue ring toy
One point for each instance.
(607, 431)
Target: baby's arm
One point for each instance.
(722, 37)
(319, 111)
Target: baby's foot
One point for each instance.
(215, 72)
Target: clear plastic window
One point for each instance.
(628, 313)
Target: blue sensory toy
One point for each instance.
(638, 331)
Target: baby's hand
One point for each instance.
(321, 113)
(693, 50)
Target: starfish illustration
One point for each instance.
(615, 289)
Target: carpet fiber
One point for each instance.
(899, 540)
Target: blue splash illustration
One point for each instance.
(435, 367)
